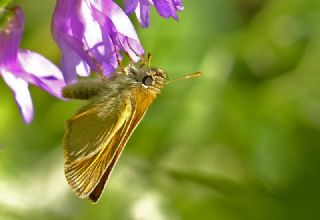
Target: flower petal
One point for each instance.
(120, 20)
(21, 95)
(178, 5)
(70, 22)
(74, 59)
(144, 13)
(41, 72)
(106, 57)
(88, 35)
(130, 6)
(123, 27)
(165, 8)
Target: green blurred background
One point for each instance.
(240, 142)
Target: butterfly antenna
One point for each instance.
(149, 60)
(100, 72)
(192, 75)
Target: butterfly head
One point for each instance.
(151, 79)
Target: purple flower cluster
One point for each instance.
(91, 35)
(20, 67)
(165, 8)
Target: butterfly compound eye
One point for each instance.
(147, 80)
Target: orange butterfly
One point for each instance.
(96, 135)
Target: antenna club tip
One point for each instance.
(197, 74)
(192, 75)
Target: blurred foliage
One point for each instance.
(240, 142)
(4, 3)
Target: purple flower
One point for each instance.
(165, 8)
(91, 34)
(20, 67)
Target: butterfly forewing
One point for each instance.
(89, 130)
(94, 141)
(140, 108)
(90, 145)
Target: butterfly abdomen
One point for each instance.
(84, 89)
